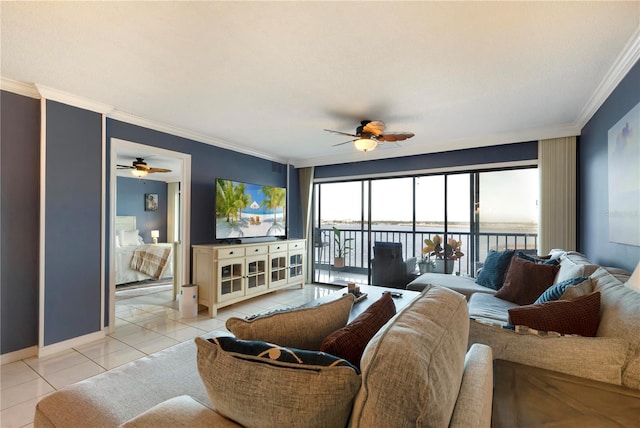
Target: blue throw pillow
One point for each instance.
(557, 290)
(494, 268)
(269, 351)
(538, 260)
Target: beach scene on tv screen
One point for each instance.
(245, 210)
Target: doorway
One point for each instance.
(178, 205)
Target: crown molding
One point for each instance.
(180, 132)
(20, 88)
(624, 62)
(72, 100)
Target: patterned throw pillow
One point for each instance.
(349, 341)
(556, 291)
(526, 281)
(580, 316)
(494, 269)
(303, 328)
(260, 391)
(541, 260)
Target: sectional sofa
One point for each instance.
(415, 371)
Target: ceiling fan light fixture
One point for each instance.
(139, 173)
(365, 144)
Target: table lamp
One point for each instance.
(155, 234)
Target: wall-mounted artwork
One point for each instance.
(624, 179)
(150, 201)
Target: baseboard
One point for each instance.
(21, 354)
(71, 343)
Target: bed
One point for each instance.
(137, 261)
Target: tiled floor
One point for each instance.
(144, 325)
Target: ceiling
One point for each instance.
(266, 78)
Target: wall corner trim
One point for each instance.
(72, 100)
(20, 88)
(624, 62)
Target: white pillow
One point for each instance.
(129, 237)
(140, 240)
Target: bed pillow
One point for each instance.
(349, 341)
(261, 391)
(494, 268)
(580, 316)
(526, 281)
(129, 237)
(303, 328)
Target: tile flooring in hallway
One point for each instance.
(144, 325)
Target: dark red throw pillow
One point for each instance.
(580, 316)
(349, 341)
(525, 281)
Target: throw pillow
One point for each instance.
(556, 291)
(543, 260)
(494, 268)
(578, 290)
(303, 328)
(526, 281)
(580, 316)
(349, 341)
(258, 391)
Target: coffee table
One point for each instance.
(373, 294)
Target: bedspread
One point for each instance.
(151, 259)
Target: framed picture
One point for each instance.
(150, 201)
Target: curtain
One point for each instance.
(557, 167)
(306, 192)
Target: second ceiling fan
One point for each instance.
(139, 168)
(370, 133)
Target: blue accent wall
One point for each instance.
(593, 194)
(130, 201)
(73, 209)
(485, 155)
(19, 221)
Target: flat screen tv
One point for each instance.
(245, 210)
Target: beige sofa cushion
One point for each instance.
(412, 368)
(597, 358)
(620, 317)
(573, 265)
(303, 328)
(179, 412)
(259, 392)
(465, 285)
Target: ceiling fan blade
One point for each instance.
(341, 133)
(342, 144)
(375, 127)
(395, 136)
(158, 170)
(125, 167)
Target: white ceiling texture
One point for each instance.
(266, 78)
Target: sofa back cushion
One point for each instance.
(620, 317)
(574, 264)
(412, 368)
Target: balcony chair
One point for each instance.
(387, 267)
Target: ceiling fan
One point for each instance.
(139, 168)
(370, 133)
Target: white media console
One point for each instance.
(227, 274)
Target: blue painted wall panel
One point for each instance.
(20, 221)
(455, 158)
(73, 203)
(130, 201)
(593, 219)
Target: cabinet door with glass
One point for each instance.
(230, 278)
(256, 274)
(278, 265)
(296, 262)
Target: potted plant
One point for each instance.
(341, 247)
(451, 251)
(426, 264)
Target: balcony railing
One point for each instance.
(357, 259)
